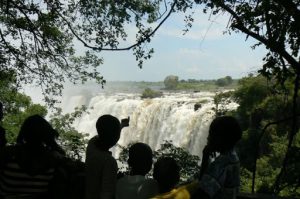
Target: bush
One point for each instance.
(188, 163)
(171, 82)
(224, 81)
(149, 93)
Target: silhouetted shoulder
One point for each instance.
(148, 189)
(222, 176)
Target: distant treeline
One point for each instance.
(227, 80)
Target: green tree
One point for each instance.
(250, 93)
(72, 141)
(188, 163)
(229, 79)
(221, 82)
(23, 108)
(276, 25)
(221, 101)
(261, 102)
(18, 106)
(171, 82)
(225, 81)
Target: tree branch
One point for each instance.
(164, 12)
(273, 46)
(258, 144)
(291, 134)
(290, 7)
(145, 38)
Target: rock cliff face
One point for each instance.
(197, 106)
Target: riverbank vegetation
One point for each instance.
(173, 84)
(205, 85)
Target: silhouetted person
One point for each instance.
(221, 177)
(3, 140)
(101, 166)
(166, 173)
(26, 169)
(50, 137)
(136, 185)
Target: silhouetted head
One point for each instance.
(166, 173)
(1, 111)
(35, 130)
(140, 158)
(224, 133)
(109, 129)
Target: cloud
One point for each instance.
(192, 52)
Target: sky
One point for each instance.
(205, 52)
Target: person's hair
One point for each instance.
(166, 173)
(224, 132)
(140, 158)
(35, 130)
(108, 129)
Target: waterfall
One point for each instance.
(171, 117)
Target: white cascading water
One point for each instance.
(171, 117)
